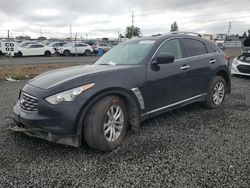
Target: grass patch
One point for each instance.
(20, 72)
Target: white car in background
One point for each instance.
(75, 48)
(35, 49)
(105, 47)
(241, 64)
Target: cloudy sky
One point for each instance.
(105, 18)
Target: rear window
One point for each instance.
(194, 47)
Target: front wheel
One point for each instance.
(216, 93)
(47, 54)
(106, 123)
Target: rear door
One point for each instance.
(201, 58)
(167, 83)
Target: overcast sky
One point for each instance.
(105, 18)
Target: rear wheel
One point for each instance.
(216, 93)
(47, 53)
(87, 52)
(66, 53)
(106, 123)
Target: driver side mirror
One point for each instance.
(164, 58)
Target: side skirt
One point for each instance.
(173, 106)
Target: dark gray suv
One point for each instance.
(134, 81)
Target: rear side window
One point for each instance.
(210, 49)
(194, 47)
(172, 47)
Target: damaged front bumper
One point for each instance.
(35, 126)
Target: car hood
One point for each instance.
(59, 76)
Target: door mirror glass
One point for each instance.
(164, 58)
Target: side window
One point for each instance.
(194, 47)
(172, 47)
(39, 46)
(32, 46)
(80, 45)
(210, 49)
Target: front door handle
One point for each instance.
(185, 67)
(212, 61)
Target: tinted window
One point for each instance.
(32, 46)
(39, 46)
(36, 46)
(80, 45)
(210, 49)
(172, 47)
(194, 47)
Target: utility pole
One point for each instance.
(118, 32)
(76, 46)
(70, 31)
(229, 28)
(132, 24)
(41, 32)
(8, 35)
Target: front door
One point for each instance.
(167, 84)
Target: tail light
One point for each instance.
(227, 58)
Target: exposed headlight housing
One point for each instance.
(235, 62)
(68, 95)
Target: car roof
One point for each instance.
(168, 35)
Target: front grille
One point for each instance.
(28, 102)
(244, 69)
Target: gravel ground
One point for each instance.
(188, 147)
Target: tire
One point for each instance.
(20, 54)
(87, 52)
(211, 100)
(66, 53)
(47, 53)
(94, 124)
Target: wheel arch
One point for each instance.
(224, 74)
(126, 95)
(47, 51)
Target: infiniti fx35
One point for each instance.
(134, 81)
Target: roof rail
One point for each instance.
(186, 33)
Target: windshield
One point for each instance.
(132, 52)
(25, 44)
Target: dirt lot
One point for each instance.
(189, 147)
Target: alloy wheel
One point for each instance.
(113, 123)
(219, 93)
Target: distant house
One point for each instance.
(220, 36)
(207, 36)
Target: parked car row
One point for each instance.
(35, 48)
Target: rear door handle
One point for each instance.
(212, 61)
(184, 67)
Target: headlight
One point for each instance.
(68, 95)
(235, 61)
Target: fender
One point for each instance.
(129, 98)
